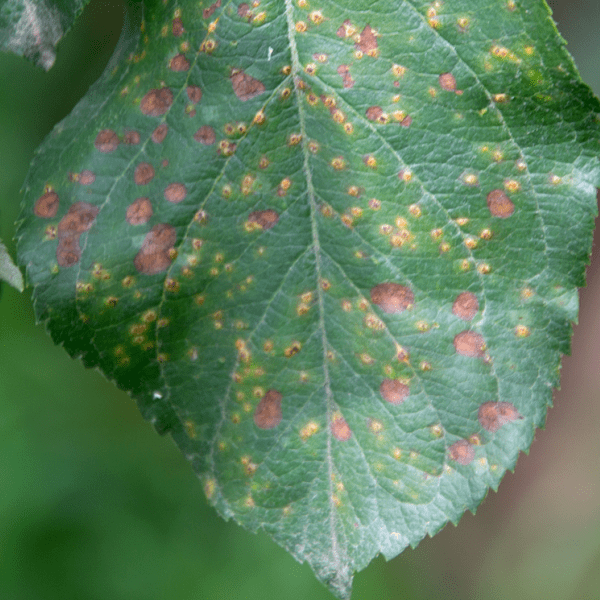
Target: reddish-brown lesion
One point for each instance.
(79, 219)
(154, 255)
(267, 414)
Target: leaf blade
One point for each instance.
(320, 252)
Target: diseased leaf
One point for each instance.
(33, 28)
(9, 272)
(334, 250)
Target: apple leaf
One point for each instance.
(332, 248)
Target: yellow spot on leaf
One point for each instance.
(375, 426)
(338, 163)
(422, 326)
(209, 488)
(366, 359)
(309, 430)
(292, 349)
(190, 429)
(470, 179)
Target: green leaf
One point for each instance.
(9, 272)
(33, 28)
(332, 249)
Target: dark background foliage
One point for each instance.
(94, 505)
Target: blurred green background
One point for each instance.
(95, 506)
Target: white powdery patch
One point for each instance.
(36, 32)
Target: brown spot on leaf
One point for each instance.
(465, 306)
(106, 141)
(268, 412)
(244, 10)
(392, 297)
(177, 27)
(208, 12)
(79, 218)
(469, 343)
(500, 204)
(461, 452)
(340, 429)
(139, 211)
(393, 391)
(245, 87)
(46, 205)
(205, 135)
(344, 71)
(160, 133)
(492, 415)
(194, 93)
(179, 63)
(448, 82)
(144, 173)
(154, 256)
(131, 138)
(265, 218)
(68, 251)
(374, 112)
(156, 102)
(87, 177)
(367, 41)
(406, 122)
(175, 192)
(345, 29)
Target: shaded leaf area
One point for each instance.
(333, 250)
(33, 28)
(9, 272)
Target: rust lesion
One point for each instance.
(79, 219)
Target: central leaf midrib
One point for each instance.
(296, 69)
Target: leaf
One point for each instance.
(33, 28)
(9, 272)
(334, 251)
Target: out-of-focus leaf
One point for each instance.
(9, 272)
(33, 28)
